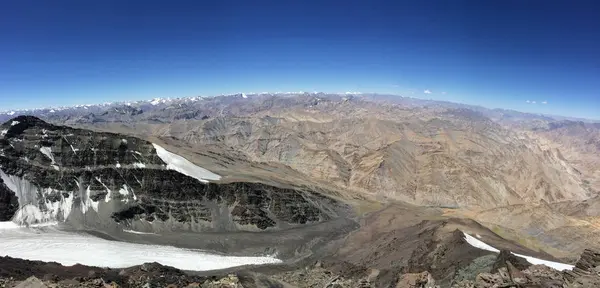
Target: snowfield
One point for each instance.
(481, 245)
(183, 166)
(49, 244)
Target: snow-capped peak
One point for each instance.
(244, 95)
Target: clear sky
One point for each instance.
(491, 53)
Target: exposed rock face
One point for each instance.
(103, 180)
(9, 203)
(504, 256)
(585, 274)
(586, 271)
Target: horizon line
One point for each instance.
(128, 102)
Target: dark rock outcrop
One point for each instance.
(587, 269)
(123, 180)
(9, 203)
(506, 256)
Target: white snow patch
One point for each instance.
(8, 225)
(13, 225)
(48, 152)
(11, 113)
(138, 232)
(139, 165)
(481, 245)
(556, 265)
(183, 166)
(65, 248)
(14, 123)
(118, 165)
(125, 191)
(124, 141)
(244, 95)
(136, 152)
(3, 132)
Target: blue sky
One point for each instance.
(490, 53)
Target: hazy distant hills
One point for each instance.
(186, 108)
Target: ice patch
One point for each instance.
(138, 232)
(125, 191)
(481, 245)
(183, 166)
(13, 225)
(14, 123)
(8, 225)
(48, 152)
(66, 248)
(139, 165)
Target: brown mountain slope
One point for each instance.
(451, 160)
(579, 144)
(429, 156)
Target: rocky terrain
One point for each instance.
(378, 148)
(502, 270)
(348, 190)
(111, 183)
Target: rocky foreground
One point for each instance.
(503, 270)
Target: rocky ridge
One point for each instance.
(111, 183)
(476, 275)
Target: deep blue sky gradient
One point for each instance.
(490, 53)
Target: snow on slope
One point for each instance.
(67, 248)
(48, 152)
(183, 166)
(29, 195)
(138, 232)
(481, 245)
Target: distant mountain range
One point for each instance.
(144, 106)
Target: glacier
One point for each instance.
(69, 248)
